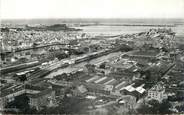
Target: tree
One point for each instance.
(180, 108)
(90, 68)
(21, 102)
(154, 107)
(102, 65)
(164, 107)
(23, 78)
(144, 109)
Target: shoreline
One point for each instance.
(154, 25)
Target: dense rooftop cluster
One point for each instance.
(127, 73)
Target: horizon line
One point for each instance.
(2, 19)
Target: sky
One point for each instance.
(29, 9)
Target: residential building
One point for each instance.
(44, 98)
(157, 92)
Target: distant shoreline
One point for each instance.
(122, 22)
(154, 25)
